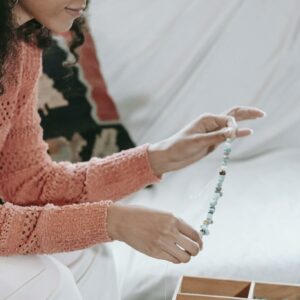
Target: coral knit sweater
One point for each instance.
(53, 207)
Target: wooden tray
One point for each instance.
(200, 288)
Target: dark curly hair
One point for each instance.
(31, 32)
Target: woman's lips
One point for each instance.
(74, 12)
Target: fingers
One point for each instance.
(244, 132)
(181, 250)
(229, 127)
(188, 245)
(212, 139)
(180, 244)
(207, 123)
(190, 232)
(167, 256)
(211, 122)
(232, 123)
(179, 253)
(216, 137)
(242, 113)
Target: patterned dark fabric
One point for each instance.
(79, 118)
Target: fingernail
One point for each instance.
(251, 131)
(264, 114)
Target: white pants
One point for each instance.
(88, 274)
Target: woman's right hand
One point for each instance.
(199, 138)
(154, 233)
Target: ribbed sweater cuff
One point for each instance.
(120, 174)
(77, 226)
(52, 229)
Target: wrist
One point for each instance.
(157, 159)
(114, 218)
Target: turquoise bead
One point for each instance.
(219, 193)
(213, 203)
(221, 178)
(212, 210)
(218, 190)
(216, 196)
(204, 230)
(227, 151)
(210, 218)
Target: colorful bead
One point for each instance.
(212, 209)
(218, 190)
(204, 230)
(216, 196)
(213, 202)
(219, 185)
(209, 219)
(221, 178)
(219, 193)
(209, 216)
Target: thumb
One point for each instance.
(217, 137)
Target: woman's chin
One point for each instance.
(60, 27)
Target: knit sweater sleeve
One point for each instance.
(54, 207)
(50, 229)
(30, 177)
(45, 181)
(41, 229)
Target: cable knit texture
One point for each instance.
(53, 207)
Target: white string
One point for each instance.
(167, 263)
(165, 279)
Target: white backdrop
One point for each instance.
(166, 62)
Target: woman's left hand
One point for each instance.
(199, 138)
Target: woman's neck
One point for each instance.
(21, 15)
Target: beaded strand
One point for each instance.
(218, 191)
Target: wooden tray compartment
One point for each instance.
(276, 291)
(199, 288)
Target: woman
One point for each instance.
(54, 207)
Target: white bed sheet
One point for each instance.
(166, 62)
